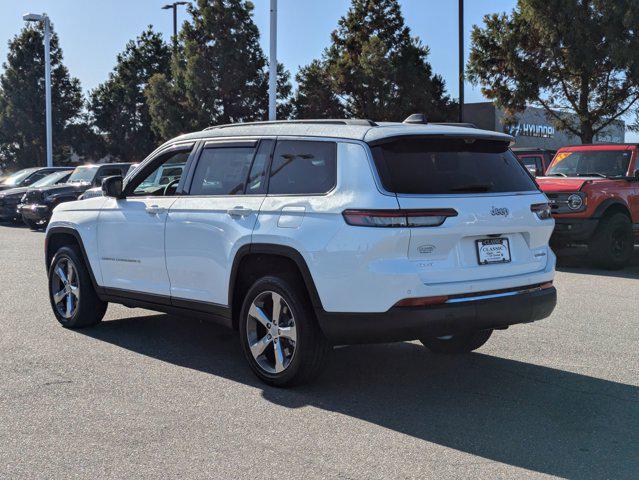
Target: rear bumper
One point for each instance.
(35, 212)
(574, 229)
(410, 323)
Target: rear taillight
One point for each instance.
(542, 210)
(398, 218)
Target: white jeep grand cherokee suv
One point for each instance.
(307, 234)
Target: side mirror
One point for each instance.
(636, 175)
(112, 187)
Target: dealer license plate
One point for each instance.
(493, 250)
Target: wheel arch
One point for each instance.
(286, 260)
(57, 237)
(610, 207)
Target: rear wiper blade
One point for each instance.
(557, 174)
(595, 174)
(479, 187)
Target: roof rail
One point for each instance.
(456, 124)
(347, 121)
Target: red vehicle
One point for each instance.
(536, 160)
(593, 191)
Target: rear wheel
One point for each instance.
(73, 298)
(462, 343)
(280, 337)
(613, 243)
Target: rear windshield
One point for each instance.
(444, 166)
(590, 163)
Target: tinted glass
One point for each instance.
(17, 178)
(257, 176)
(441, 166)
(168, 173)
(222, 171)
(35, 177)
(52, 179)
(586, 163)
(303, 167)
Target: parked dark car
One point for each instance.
(536, 160)
(9, 199)
(28, 176)
(38, 203)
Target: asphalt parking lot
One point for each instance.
(147, 395)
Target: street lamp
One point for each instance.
(461, 60)
(173, 6)
(34, 17)
(272, 74)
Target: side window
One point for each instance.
(222, 171)
(164, 179)
(36, 176)
(107, 172)
(257, 176)
(301, 166)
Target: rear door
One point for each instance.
(215, 217)
(488, 229)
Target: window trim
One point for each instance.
(335, 141)
(152, 162)
(225, 143)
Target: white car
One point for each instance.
(308, 234)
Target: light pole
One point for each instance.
(461, 61)
(272, 69)
(173, 6)
(33, 17)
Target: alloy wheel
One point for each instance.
(65, 288)
(271, 332)
(619, 243)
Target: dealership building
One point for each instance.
(534, 127)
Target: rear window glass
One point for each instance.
(303, 167)
(443, 166)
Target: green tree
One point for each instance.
(219, 74)
(578, 56)
(315, 97)
(376, 68)
(119, 107)
(22, 101)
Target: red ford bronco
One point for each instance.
(593, 191)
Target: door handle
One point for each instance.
(155, 210)
(239, 212)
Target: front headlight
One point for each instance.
(575, 201)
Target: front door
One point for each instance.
(131, 229)
(216, 217)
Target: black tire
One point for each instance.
(463, 343)
(89, 309)
(612, 244)
(31, 224)
(310, 348)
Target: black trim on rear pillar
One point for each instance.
(410, 323)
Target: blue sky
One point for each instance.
(92, 32)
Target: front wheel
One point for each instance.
(32, 224)
(73, 298)
(612, 245)
(461, 343)
(280, 336)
